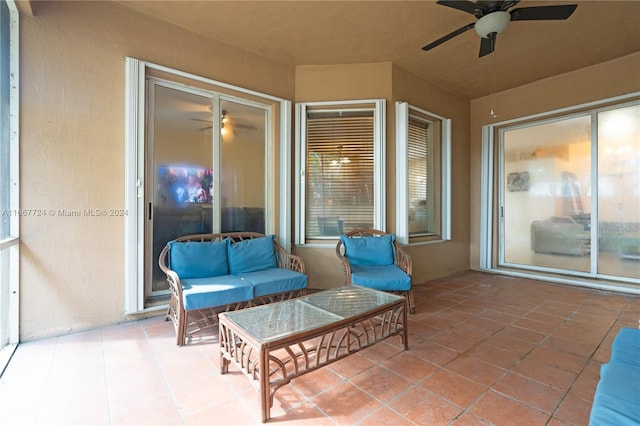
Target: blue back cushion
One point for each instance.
(194, 259)
(369, 251)
(251, 255)
(625, 348)
(617, 400)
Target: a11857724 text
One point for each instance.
(65, 212)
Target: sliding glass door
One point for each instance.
(546, 196)
(205, 169)
(619, 191)
(569, 194)
(179, 171)
(243, 186)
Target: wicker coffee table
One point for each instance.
(274, 343)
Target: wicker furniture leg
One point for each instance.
(265, 386)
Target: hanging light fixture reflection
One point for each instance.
(340, 160)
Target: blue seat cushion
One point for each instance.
(369, 251)
(276, 280)
(617, 397)
(199, 293)
(388, 277)
(251, 255)
(626, 348)
(193, 259)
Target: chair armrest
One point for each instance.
(287, 260)
(175, 286)
(403, 260)
(346, 266)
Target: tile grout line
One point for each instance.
(106, 378)
(47, 382)
(589, 359)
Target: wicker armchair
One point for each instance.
(378, 278)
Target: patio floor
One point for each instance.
(484, 349)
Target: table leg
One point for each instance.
(265, 389)
(224, 365)
(224, 346)
(405, 332)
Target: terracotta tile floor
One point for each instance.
(484, 349)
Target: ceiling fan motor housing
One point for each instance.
(492, 23)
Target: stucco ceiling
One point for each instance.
(344, 32)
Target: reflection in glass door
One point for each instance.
(205, 170)
(619, 192)
(179, 172)
(242, 170)
(546, 201)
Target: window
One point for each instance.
(340, 169)
(422, 173)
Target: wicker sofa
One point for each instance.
(212, 273)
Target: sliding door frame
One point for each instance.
(135, 186)
(491, 218)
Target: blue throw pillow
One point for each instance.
(193, 259)
(369, 251)
(251, 255)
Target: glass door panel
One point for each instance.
(242, 177)
(619, 192)
(546, 196)
(180, 167)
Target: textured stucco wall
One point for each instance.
(436, 260)
(72, 148)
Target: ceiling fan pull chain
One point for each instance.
(492, 101)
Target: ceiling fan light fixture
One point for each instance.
(492, 23)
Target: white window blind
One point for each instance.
(420, 170)
(423, 142)
(339, 172)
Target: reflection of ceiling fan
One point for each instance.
(225, 120)
(493, 19)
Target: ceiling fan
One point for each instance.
(493, 18)
(225, 120)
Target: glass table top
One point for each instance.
(276, 320)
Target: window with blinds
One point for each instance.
(421, 189)
(339, 184)
(423, 145)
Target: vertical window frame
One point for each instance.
(379, 179)
(9, 244)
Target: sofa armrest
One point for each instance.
(346, 266)
(175, 286)
(403, 260)
(287, 260)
